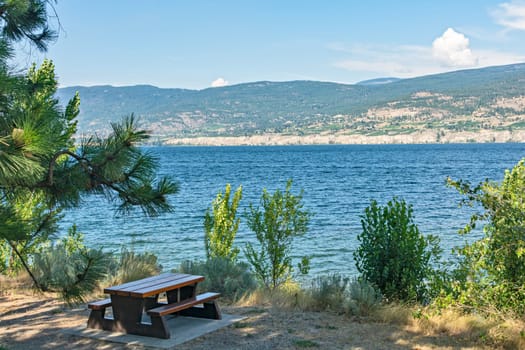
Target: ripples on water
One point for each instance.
(338, 183)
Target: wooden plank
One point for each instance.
(185, 304)
(126, 288)
(100, 304)
(116, 288)
(148, 289)
(167, 286)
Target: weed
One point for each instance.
(304, 343)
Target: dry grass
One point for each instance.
(501, 332)
(11, 285)
(290, 296)
(394, 314)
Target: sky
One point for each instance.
(196, 44)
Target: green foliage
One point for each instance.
(69, 268)
(28, 224)
(25, 19)
(132, 266)
(329, 292)
(231, 279)
(393, 255)
(221, 225)
(280, 219)
(492, 269)
(363, 297)
(73, 241)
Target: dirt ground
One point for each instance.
(34, 321)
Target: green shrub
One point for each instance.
(275, 225)
(363, 298)
(231, 279)
(221, 225)
(393, 255)
(69, 268)
(328, 292)
(491, 273)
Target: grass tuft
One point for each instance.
(304, 343)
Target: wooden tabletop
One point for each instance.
(154, 285)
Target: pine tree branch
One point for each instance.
(85, 163)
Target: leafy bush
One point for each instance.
(393, 255)
(364, 298)
(231, 279)
(329, 292)
(221, 225)
(492, 269)
(275, 225)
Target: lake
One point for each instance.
(338, 183)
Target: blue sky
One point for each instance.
(199, 43)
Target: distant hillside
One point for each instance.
(490, 99)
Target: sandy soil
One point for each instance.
(31, 321)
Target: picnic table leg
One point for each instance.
(127, 314)
(159, 328)
(96, 319)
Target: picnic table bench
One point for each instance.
(131, 301)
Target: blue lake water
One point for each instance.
(338, 183)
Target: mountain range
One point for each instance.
(476, 101)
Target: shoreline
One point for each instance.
(422, 137)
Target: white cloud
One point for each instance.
(398, 61)
(511, 15)
(219, 82)
(452, 49)
(407, 61)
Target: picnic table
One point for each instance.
(132, 301)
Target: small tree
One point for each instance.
(275, 225)
(393, 254)
(221, 225)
